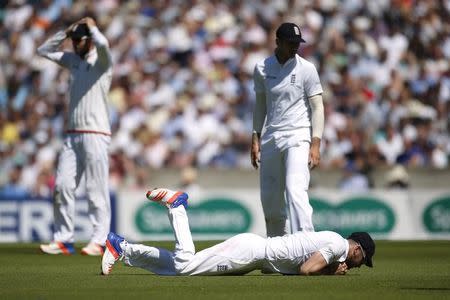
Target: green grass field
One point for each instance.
(407, 270)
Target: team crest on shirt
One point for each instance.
(292, 78)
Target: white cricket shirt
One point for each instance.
(285, 90)
(285, 254)
(90, 80)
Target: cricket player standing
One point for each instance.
(88, 135)
(289, 99)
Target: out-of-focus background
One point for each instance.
(182, 100)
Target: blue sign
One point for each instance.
(31, 219)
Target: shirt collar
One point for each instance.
(91, 56)
(289, 61)
(344, 257)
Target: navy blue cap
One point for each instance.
(367, 243)
(80, 31)
(290, 32)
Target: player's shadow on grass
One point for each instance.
(209, 276)
(426, 288)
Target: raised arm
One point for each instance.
(50, 50)
(101, 43)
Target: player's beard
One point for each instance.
(82, 50)
(351, 263)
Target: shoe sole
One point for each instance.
(110, 268)
(84, 253)
(177, 199)
(109, 250)
(59, 253)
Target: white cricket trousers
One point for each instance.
(83, 153)
(284, 181)
(240, 254)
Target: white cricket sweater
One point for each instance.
(90, 80)
(284, 254)
(282, 92)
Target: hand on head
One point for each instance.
(88, 21)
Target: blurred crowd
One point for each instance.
(182, 91)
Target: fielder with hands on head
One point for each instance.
(87, 135)
(300, 253)
(289, 100)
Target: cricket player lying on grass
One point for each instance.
(301, 253)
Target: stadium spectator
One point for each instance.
(13, 189)
(353, 179)
(379, 62)
(397, 178)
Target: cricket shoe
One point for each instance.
(113, 252)
(92, 249)
(169, 198)
(58, 248)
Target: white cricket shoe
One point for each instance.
(167, 197)
(58, 248)
(92, 249)
(113, 252)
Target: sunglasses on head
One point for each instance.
(363, 253)
(78, 39)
